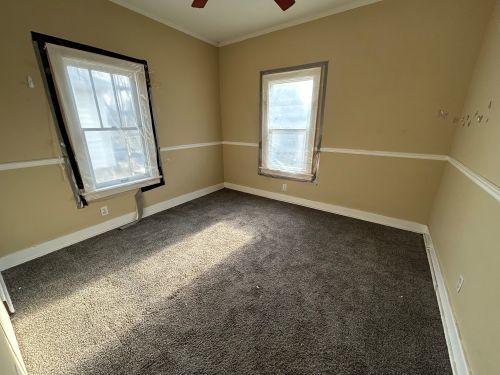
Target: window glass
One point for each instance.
(84, 97)
(290, 104)
(105, 94)
(115, 155)
(125, 100)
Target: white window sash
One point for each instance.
(60, 58)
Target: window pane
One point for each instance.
(84, 97)
(290, 104)
(286, 151)
(123, 88)
(106, 99)
(137, 154)
(115, 155)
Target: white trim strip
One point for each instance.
(4, 292)
(335, 10)
(408, 155)
(453, 341)
(42, 162)
(480, 181)
(44, 248)
(29, 163)
(340, 210)
(240, 144)
(193, 145)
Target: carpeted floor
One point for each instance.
(233, 284)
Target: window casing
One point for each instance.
(102, 105)
(292, 101)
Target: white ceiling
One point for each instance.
(223, 22)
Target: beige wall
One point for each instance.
(407, 197)
(478, 146)
(393, 64)
(465, 220)
(465, 230)
(37, 204)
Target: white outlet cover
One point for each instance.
(283, 187)
(104, 210)
(460, 282)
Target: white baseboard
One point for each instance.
(457, 356)
(340, 210)
(44, 248)
(165, 205)
(38, 250)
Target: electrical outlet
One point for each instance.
(460, 282)
(283, 187)
(104, 210)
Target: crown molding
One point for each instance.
(335, 10)
(164, 21)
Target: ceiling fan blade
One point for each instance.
(284, 4)
(199, 3)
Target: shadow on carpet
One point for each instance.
(233, 284)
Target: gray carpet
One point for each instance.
(233, 284)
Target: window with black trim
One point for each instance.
(101, 101)
(292, 101)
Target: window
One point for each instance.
(107, 124)
(291, 116)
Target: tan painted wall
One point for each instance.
(465, 220)
(478, 146)
(465, 226)
(393, 64)
(36, 203)
(407, 197)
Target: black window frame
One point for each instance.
(39, 43)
